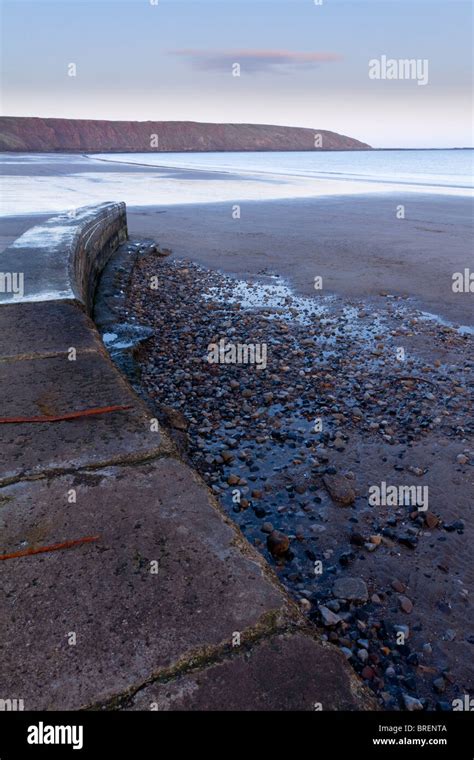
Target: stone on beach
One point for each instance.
(340, 489)
(351, 589)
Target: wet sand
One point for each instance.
(355, 243)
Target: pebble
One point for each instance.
(411, 703)
(175, 418)
(431, 520)
(405, 604)
(398, 586)
(339, 489)
(277, 543)
(439, 685)
(354, 589)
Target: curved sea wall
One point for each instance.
(63, 258)
(125, 585)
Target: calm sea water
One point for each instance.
(430, 168)
(44, 183)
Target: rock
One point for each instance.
(439, 685)
(457, 525)
(357, 539)
(305, 605)
(377, 540)
(405, 604)
(329, 618)
(346, 558)
(363, 655)
(233, 480)
(410, 541)
(449, 634)
(398, 586)
(175, 418)
(267, 527)
(367, 673)
(462, 459)
(412, 704)
(431, 520)
(277, 543)
(353, 589)
(346, 652)
(339, 489)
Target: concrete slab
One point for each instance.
(37, 387)
(44, 328)
(129, 622)
(285, 672)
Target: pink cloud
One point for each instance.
(255, 60)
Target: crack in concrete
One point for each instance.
(162, 452)
(267, 627)
(48, 355)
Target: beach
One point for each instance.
(367, 384)
(356, 244)
(354, 238)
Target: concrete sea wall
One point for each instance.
(63, 258)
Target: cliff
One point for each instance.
(77, 135)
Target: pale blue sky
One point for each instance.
(301, 64)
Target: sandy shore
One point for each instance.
(355, 243)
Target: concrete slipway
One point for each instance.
(149, 613)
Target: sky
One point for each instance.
(301, 64)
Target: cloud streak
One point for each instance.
(254, 60)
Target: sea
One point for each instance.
(42, 183)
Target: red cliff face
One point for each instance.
(76, 135)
